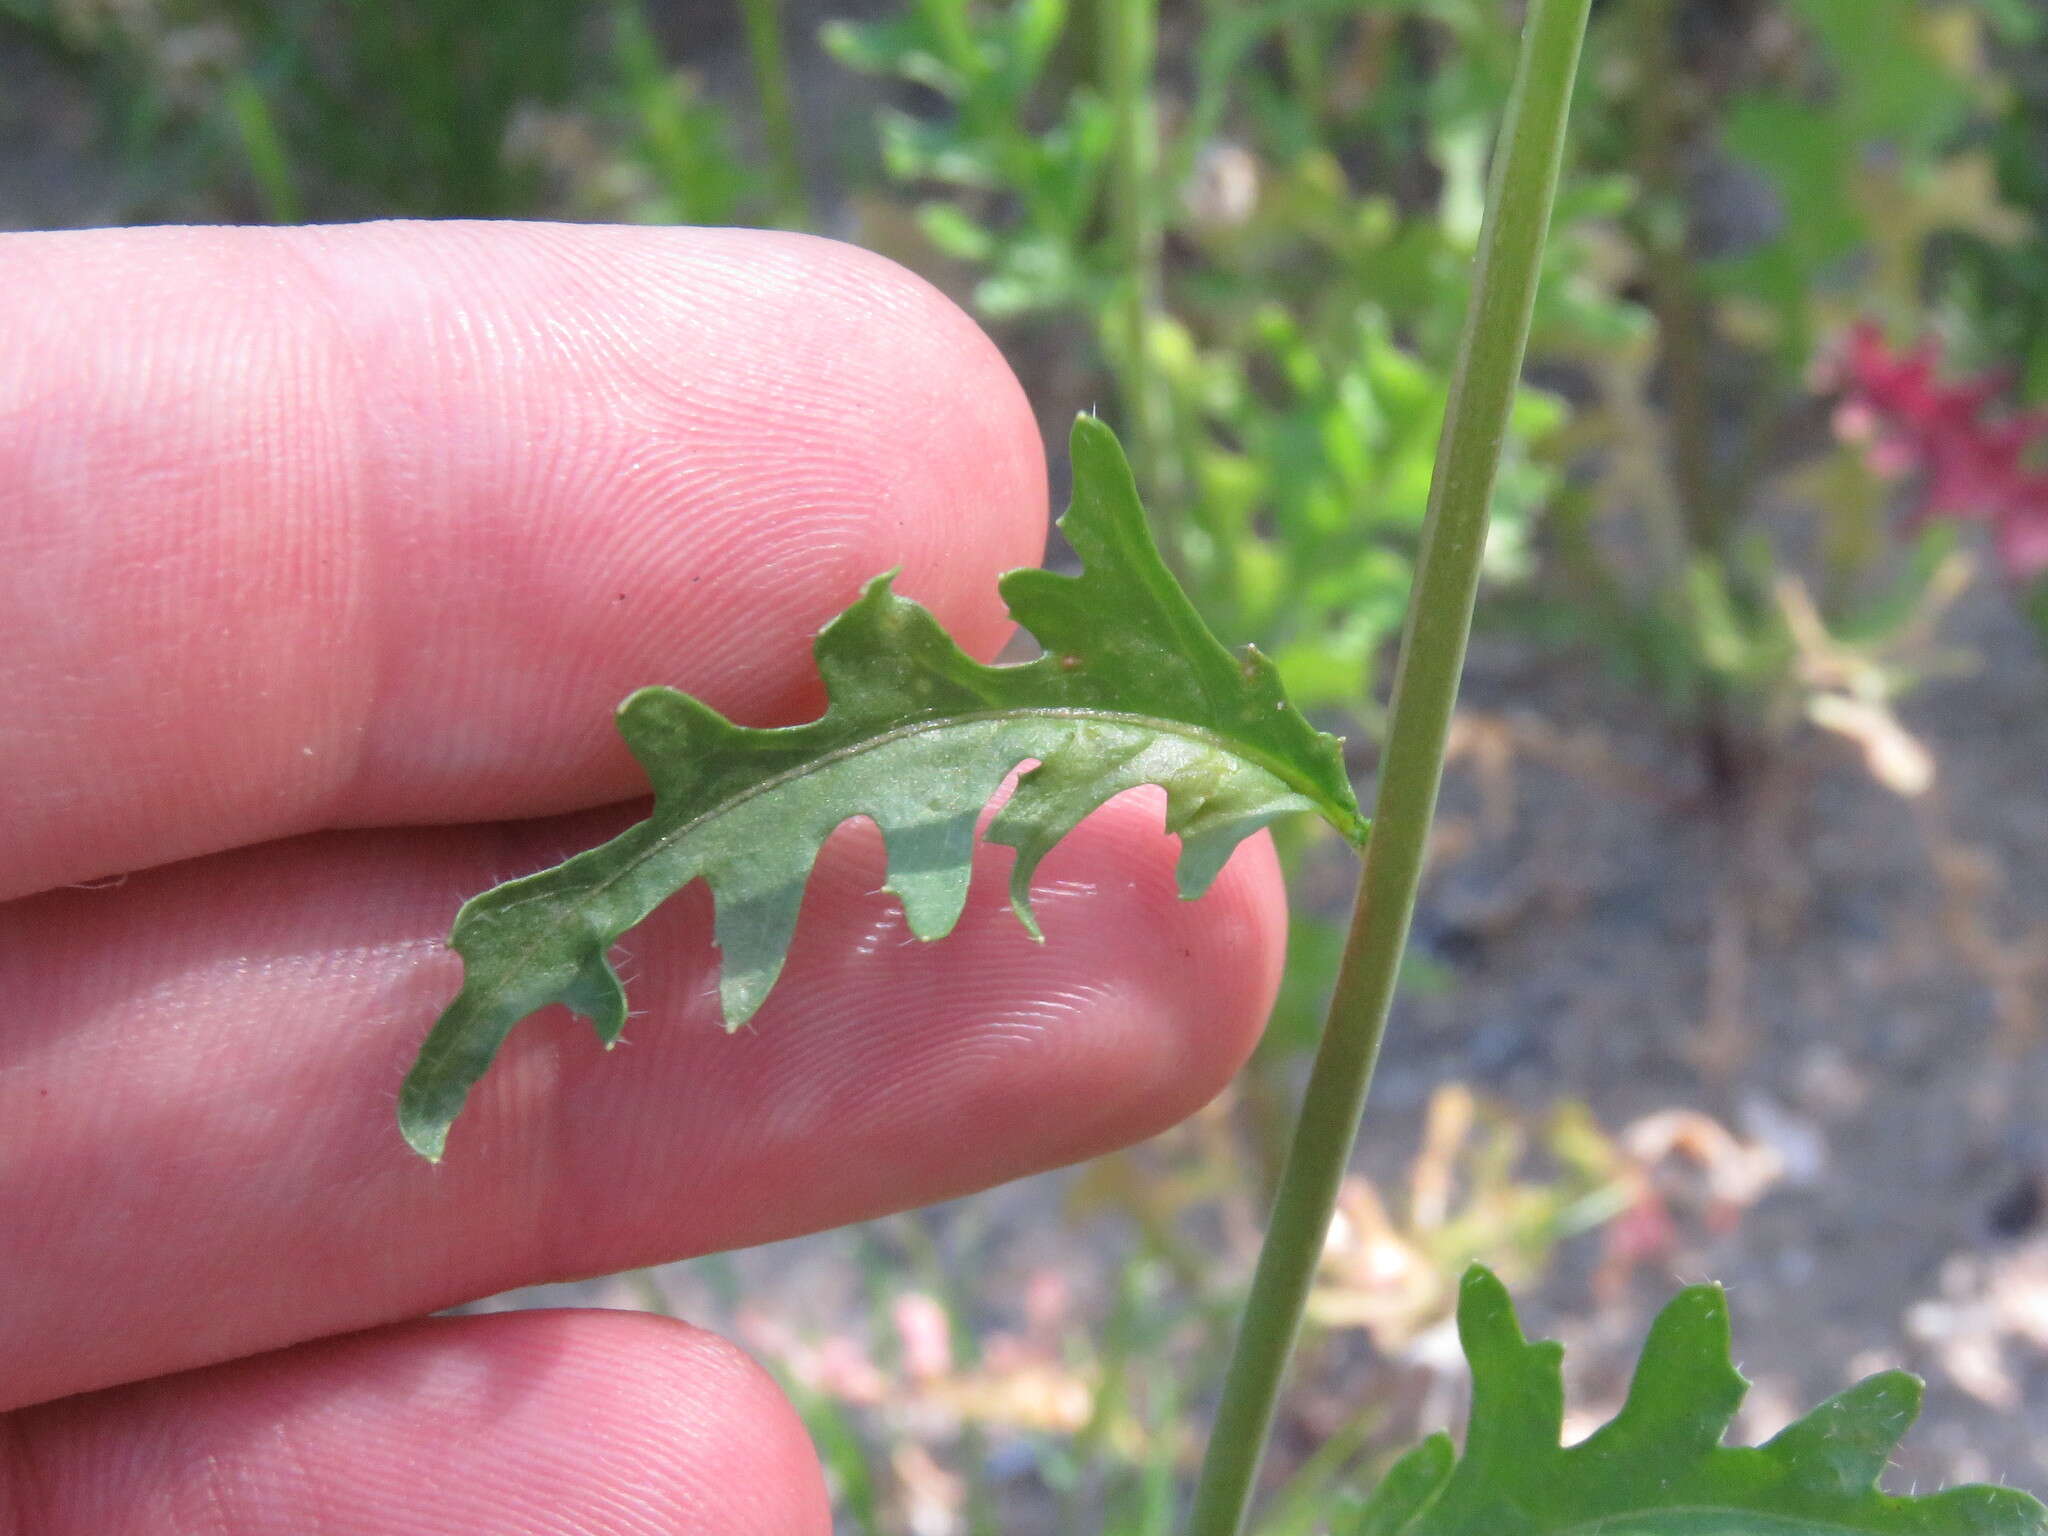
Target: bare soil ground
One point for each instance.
(1856, 981)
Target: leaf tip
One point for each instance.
(1698, 1308)
(878, 587)
(1480, 1287)
(426, 1135)
(1093, 444)
(737, 1005)
(1020, 903)
(1488, 1323)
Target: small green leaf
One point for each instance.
(1132, 690)
(1658, 1468)
(1409, 1487)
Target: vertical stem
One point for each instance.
(270, 162)
(2034, 603)
(1673, 296)
(1525, 172)
(1127, 40)
(1706, 503)
(778, 117)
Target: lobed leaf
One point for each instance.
(917, 736)
(1658, 1468)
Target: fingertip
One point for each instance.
(705, 441)
(592, 1423)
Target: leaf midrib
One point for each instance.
(1212, 739)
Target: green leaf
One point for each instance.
(1659, 1468)
(1133, 689)
(1407, 1489)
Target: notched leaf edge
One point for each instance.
(917, 736)
(1658, 1468)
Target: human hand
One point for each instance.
(324, 553)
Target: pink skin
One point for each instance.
(306, 535)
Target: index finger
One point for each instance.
(365, 525)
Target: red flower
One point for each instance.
(1976, 461)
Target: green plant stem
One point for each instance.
(1127, 41)
(263, 146)
(1705, 503)
(778, 117)
(1674, 296)
(2034, 603)
(1525, 172)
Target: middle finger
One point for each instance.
(197, 1087)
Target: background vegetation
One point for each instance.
(1769, 570)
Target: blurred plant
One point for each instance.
(1003, 144)
(774, 92)
(363, 110)
(1468, 1199)
(1972, 459)
(1488, 1186)
(1986, 286)
(932, 1408)
(681, 142)
(413, 109)
(1859, 126)
(647, 144)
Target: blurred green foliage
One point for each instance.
(1285, 375)
(354, 109)
(1821, 162)
(358, 109)
(1994, 289)
(1261, 216)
